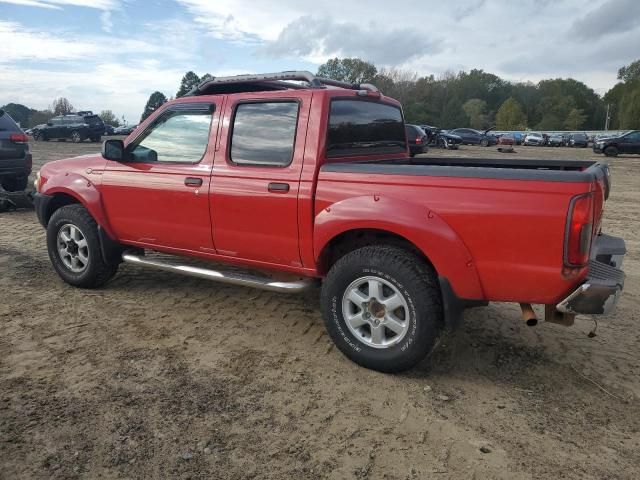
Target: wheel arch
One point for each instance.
(366, 220)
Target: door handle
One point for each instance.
(276, 187)
(193, 182)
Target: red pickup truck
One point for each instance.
(303, 179)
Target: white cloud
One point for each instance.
(57, 4)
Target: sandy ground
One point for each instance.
(162, 376)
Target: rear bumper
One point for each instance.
(600, 292)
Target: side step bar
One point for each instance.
(233, 278)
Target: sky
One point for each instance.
(112, 54)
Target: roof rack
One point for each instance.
(272, 81)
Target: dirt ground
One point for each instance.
(163, 376)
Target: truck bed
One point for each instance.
(509, 168)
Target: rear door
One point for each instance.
(630, 143)
(256, 177)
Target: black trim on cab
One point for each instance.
(41, 203)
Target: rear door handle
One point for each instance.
(193, 182)
(276, 187)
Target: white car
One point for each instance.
(533, 138)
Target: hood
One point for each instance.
(79, 165)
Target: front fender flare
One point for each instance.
(415, 223)
(83, 190)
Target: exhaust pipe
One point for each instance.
(528, 315)
(233, 278)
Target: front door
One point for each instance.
(630, 143)
(158, 196)
(256, 177)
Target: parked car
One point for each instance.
(15, 157)
(556, 140)
(108, 129)
(401, 245)
(534, 138)
(442, 139)
(626, 143)
(124, 129)
(475, 137)
(506, 139)
(76, 127)
(578, 140)
(518, 137)
(417, 140)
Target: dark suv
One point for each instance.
(15, 157)
(75, 126)
(626, 143)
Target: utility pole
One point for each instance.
(606, 122)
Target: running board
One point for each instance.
(233, 278)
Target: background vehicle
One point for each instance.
(533, 138)
(578, 140)
(124, 129)
(417, 140)
(441, 139)
(314, 183)
(626, 143)
(506, 139)
(108, 129)
(15, 157)
(474, 137)
(556, 140)
(75, 127)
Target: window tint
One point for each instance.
(358, 127)
(178, 137)
(633, 137)
(264, 133)
(57, 121)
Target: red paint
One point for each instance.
(494, 239)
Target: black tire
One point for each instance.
(97, 272)
(611, 151)
(76, 137)
(484, 142)
(39, 136)
(418, 285)
(18, 184)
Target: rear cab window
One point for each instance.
(364, 127)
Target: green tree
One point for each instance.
(453, 115)
(476, 110)
(61, 106)
(549, 121)
(510, 116)
(18, 112)
(575, 119)
(156, 100)
(39, 117)
(109, 118)
(630, 72)
(351, 70)
(189, 81)
(630, 108)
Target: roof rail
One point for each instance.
(271, 81)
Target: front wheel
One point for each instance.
(484, 142)
(74, 248)
(382, 307)
(76, 137)
(611, 152)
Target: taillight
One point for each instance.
(418, 140)
(579, 231)
(18, 138)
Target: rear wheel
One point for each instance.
(382, 308)
(18, 184)
(76, 137)
(74, 248)
(611, 152)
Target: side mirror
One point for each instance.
(113, 150)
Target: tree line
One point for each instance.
(475, 99)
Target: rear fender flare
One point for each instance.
(416, 223)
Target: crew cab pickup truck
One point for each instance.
(305, 180)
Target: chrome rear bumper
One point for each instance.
(599, 294)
